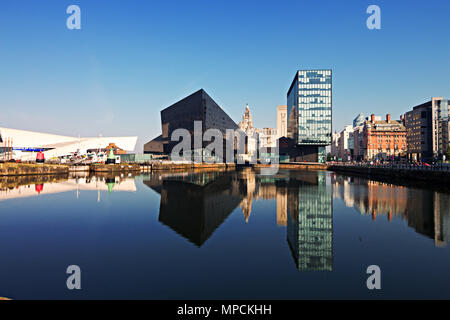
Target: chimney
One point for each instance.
(388, 118)
(372, 118)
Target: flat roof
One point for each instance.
(296, 76)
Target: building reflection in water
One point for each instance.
(194, 207)
(18, 187)
(310, 222)
(427, 211)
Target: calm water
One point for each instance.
(222, 235)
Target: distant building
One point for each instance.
(383, 139)
(359, 120)
(282, 121)
(358, 143)
(252, 136)
(428, 130)
(267, 137)
(346, 144)
(246, 124)
(309, 107)
(335, 146)
(373, 118)
(199, 106)
(257, 138)
(115, 149)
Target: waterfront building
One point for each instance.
(383, 139)
(359, 120)
(26, 144)
(334, 150)
(267, 137)
(309, 107)
(251, 136)
(346, 144)
(282, 121)
(358, 143)
(198, 106)
(246, 124)
(257, 138)
(428, 130)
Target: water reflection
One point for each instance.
(196, 204)
(310, 223)
(32, 186)
(427, 211)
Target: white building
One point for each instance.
(26, 144)
(267, 137)
(246, 125)
(342, 145)
(335, 145)
(282, 121)
(256, 138)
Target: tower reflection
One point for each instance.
(310, 222)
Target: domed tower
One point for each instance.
(246, 124)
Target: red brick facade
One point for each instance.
(384, 139)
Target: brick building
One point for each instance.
(383, 139)
(428, 130)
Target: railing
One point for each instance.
(445, 167)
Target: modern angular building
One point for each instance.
(26, 144)
(199, 106)
(309, 108)
(359, 120)
(427, 128)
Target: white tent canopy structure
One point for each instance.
(26, 143)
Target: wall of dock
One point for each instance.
(24, 169)
(416, 174)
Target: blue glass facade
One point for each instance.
(309, 103)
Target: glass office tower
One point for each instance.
(309, 101)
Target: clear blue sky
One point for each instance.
(133, 58)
